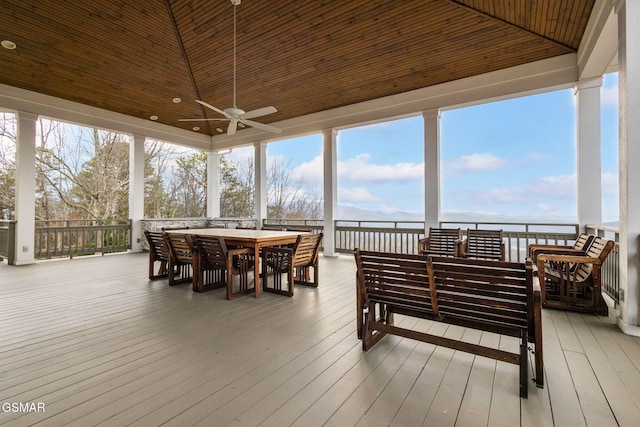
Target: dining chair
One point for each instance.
(296, 262)
(215, 266)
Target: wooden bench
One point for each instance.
(493, 296)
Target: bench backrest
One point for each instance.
(496, 295)
(400, 280)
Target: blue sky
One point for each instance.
(511, 159)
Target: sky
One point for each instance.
(512, 159)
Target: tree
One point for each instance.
(89, 174)
(288, 196)
(187, 194)
(7, 165)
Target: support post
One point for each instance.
(431, 168)
(628, 12)
(136, 190)
(25, 185)
(589, 176)
(213, 184)
(260, 190)
(330, 159)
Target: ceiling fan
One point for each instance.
(234, 114)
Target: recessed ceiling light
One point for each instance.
(240, 125)
(196, 128)
(8, 44)
(177, 100)
(153, 117)
(219, 130)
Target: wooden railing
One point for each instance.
(69, 238)
(7, 240)
(383, 236)
(403, 236)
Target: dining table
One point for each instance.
(255, 239)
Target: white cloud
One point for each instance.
(356, 195)
(474, 163)
(609, 96)
(359, 169)
(539, 192)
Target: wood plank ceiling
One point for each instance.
(301, 56)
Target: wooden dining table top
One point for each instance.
(239, 234)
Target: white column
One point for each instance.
(260, 188)
(330, 159)
(136, 190)
(629, 117)
(589, 174)
(431, 168)
(25, 188)
(213, 184)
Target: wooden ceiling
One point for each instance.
(301, 56)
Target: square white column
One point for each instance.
(589, 169)
(25, 188)
(136, 190)
(330, 159)
(213, 184)
(629, 115)
(260, 189)
(431, 168)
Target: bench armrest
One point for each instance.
(568, 258)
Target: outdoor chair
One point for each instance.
(483, 244)
(441, 241)
(215, 265)
(295, 261)
(578, 248)
(180, 258)
(158, 252)
(574, 282)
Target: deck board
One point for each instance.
(100, 344)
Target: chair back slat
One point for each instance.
(306, 249)
(212, 251)
(441, 241)
(599, 248)
(157, 245)
(178, 247)
(484, 244)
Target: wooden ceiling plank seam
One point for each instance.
(185, 58)
(569, 49)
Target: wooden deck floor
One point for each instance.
(98, 344)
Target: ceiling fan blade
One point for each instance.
(198, 120)
(259, 112)
(233, 125)
(261, 126)
(213, 108)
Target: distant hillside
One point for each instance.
(349, 213)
